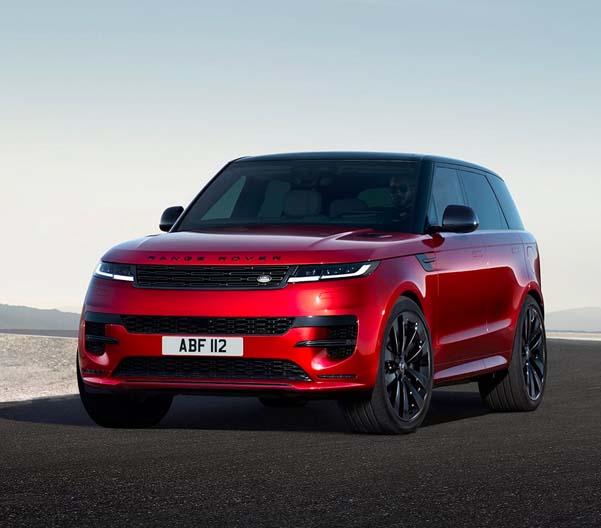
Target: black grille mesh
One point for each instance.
(210, 368)
(148, 324)
(94, 329)
(342, 332)
(341, 352)
(209, 277)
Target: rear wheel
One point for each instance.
(522, 385)
(123, 410)
(401, 397)
(281, 401)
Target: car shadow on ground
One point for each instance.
(233, 413)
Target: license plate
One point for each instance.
(203, 346)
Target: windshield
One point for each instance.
(370, 194)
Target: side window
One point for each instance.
(481, 198)
(446, 190)
(507, 204)
(224, 206)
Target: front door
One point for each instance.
(460, 263)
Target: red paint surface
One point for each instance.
(471, 298)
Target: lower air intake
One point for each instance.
(210, 368)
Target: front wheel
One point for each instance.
(123, 410)
(401, 397)
(522, 385)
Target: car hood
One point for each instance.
(268, 245)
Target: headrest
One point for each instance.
(302, 202)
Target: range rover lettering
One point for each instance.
(368, 278)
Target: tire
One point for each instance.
(283, 402)
(401, 396)
(521, 386)
(123, 410)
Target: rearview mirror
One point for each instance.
(457, 219)
(169, 217)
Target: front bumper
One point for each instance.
(314, 308)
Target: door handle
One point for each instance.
(478, 252)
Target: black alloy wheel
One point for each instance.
(400, 399)
(407, 365)
(521, 386)
(534, 357)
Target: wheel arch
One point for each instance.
(405, 277)
(410, 294)
(537, 296)
(532, 291)
(409, 290)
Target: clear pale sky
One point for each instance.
(112, 111)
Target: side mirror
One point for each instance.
(169, 217)
(458, 219)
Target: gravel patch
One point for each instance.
(42, 366)
(36, 367)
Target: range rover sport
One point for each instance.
(369, 278)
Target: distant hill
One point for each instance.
(575, 320)
(25, 318)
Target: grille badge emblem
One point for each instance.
(264, 279)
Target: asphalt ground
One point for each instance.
(231, 462)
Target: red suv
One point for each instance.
(365, 277)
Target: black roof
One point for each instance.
(358, 155)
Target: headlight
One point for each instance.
(110, 270)
(332, 271)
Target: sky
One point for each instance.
(112, 111)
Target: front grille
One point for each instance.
(148, 324)
(210, 277)
(210, 368)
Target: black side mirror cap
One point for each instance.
(169, 217)
(457, 219)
